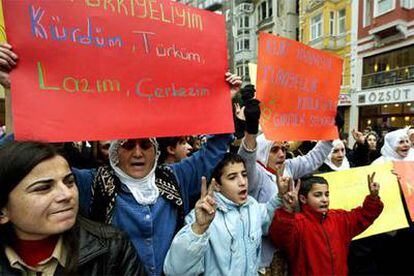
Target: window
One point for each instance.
(243, 44)
(262, 11)
(242, 70)
(316, 27)
(244, 22)
(246, 72)
(246, 43)
(228, 15)
(383, 6)
(407, 4)
(332, 23)
(265, 10)
(270, 11)
(341, 21)
(239, 70)
(367, 13)
(388, 68)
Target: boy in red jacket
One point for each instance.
(316, 240)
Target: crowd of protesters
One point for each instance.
(228, 204)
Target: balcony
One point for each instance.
(265, 23)
(212, 5)
(243, 55)
(313, 5)
(244, 8)
(387, 78)
(398, 26)
(336, 42)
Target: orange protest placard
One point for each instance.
(102, 70)
(405, 172)
(298, 87)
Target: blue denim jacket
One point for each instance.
(152, 227)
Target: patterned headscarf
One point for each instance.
(143, 189)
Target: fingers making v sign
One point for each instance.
(373, 186)
(205, 208)
(290, 198)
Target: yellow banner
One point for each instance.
(2, 28)
(348, 189)
(2, 39)
(252, 72)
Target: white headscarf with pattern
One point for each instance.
(143, 189)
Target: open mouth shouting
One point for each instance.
(243, 194)
(323, 207)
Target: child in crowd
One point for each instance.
(173, 149)
(316, 239)
(223, 233)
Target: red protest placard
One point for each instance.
(405, 172)
(101, 70)
(298, 87)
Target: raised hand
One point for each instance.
(358, 136)
(252, 114)
(8, 60)
(290, 199)
(205, 208)
(239, 111)
(283, 183)
(235, 83)
(373, 186)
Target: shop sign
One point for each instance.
(344, 100)
(386, 96)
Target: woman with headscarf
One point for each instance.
(410, 132)
(397, 147)
(264, 163)
(336, 160)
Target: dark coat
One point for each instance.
(103, 250)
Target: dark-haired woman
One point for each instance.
(40, 230)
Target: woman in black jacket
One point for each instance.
(366, 148)
(40, 230)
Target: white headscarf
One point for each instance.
(410, 133)
(144, 189)
(328, 161)
(263, 149)
(391, 141)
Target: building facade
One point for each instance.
(327, 26)
(245, 19)
(384, 97)
(245, 38)
(279, 17)
(225, 8)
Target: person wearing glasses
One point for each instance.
(147, 200)
(136, 194)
